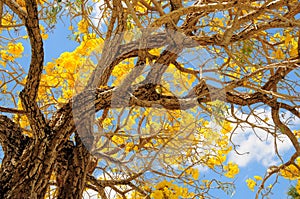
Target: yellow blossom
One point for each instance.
(15, 49)
(7, 20)
(251, 184)
(232, 169)
(290, 172)
(129, 146)
(118, 140)
(107, 122)
(215, 161)
(135, 148)
(83, 26)
(170, 190)
(43, 34)
(140, 8)
(257, 178)
(288, 39)
(3, 63)
(157, 194)
(155, 51)
(226, 127)
(5, 56)
(195, 174)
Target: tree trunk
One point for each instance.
(26, 169)
(72, 170)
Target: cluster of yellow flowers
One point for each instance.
(232, 169)
(139, 7)
(83, 26)
(66, 74)
(43, 33)
(216, 24)
(252, 183)
(131, 146)
(291, 172)
(297, 133)
(107, 122)
(10, 52)
(166, 189)
(67, 70)
(213, 161)
(117, 139)
(23, 121)
(7, 20)
(15, 49)
(5, 57)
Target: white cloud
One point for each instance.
(98, 13)
(257, 145)
(260, 148)
(90, 194)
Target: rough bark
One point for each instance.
(72, 170)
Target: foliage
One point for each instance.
(293, 193)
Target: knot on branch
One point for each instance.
(148, 92)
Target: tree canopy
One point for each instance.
(153, 94)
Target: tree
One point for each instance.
(153, 90)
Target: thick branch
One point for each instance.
(30, 91)
(11, 110)
(11, 136)
(103, 98)
(37, 51)
(72, 170)
(13, 143)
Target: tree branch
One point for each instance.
(11, 110)
(11, 135)
(29, 93)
